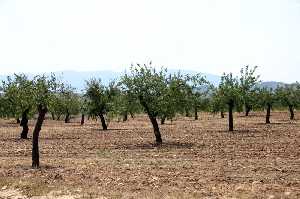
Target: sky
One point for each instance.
(211, 36)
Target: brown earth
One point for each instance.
(199, 159)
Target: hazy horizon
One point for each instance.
(209, 36)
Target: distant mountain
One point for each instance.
(77, 79)
(272, 84)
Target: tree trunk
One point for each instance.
(156, 129)
(104, 126)
(58, 117)
(292, 114)
(125, 116)
(24, 124)
(230, 114)
(153, 121)
(222, 114)
(268, 114)
(35, 137)
(67, 119)
(82, 120)
(248, 109)
(18, 120)
(163, 120)
(196, 113)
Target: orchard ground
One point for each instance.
(198, 159)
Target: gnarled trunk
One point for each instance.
(292, 114)
(268, 114)
(35, 137)
(82, 120)
(24, 124)
(230, 114)
(102, 119)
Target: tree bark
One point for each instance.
(196, 113)
(268, 114)
(292, 114)
(67, 119)
(82, 120)
(35, 137)
(230, 114)
(24, 124)
(104, 126)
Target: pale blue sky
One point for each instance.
(212, 36)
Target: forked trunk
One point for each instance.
(268, 114)
(102, 119)
(82, 120)
(230, 114)
(24, 124)
(35, 137)
(292, 114)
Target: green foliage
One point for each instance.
(229, 91)
(265, 97)
(248, 85)
(98, 97)
(18, 95)
(149, 86)
(289, 95)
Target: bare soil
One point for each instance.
(198, 159)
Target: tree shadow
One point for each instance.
(151, 146)
(110, 129)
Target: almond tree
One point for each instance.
(18, 94)
(99, 99)
(229, 93)
(151, 88)
(43, 90)
(265, 99)
(289, 96)
(248, 84)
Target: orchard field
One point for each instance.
(198, 159)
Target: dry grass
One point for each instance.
(199, 159)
